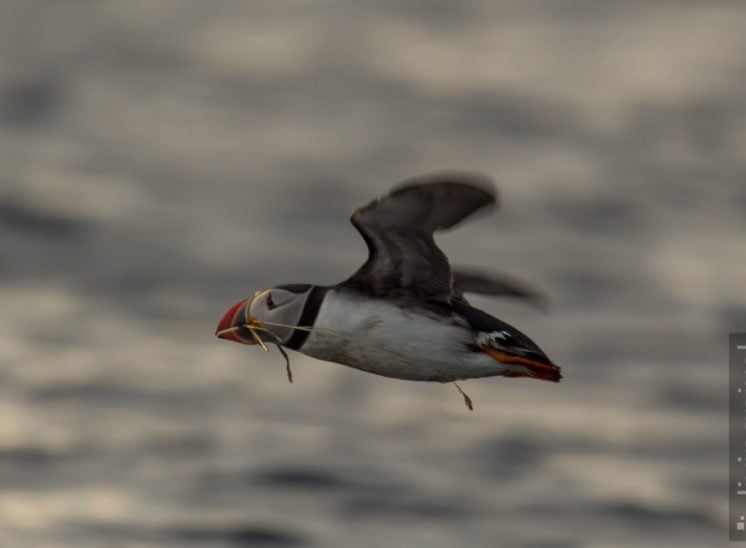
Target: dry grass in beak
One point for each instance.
(256, 337)
(254, 327)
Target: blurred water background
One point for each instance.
(162, 160)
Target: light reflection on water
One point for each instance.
(160, 166)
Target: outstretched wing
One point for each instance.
(469, 280)
(398, 229)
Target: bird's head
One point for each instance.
(270, 315)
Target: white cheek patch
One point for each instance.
(494, 338)
(287, 310)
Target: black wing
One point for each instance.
(398, 229)
(467, 280)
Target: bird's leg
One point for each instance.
(467, 399)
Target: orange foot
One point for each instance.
(528, 368)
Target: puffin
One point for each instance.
(403, 314)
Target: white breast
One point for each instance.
(380, 337)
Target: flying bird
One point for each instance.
(403, 314)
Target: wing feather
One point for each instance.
(469, 280)
(398, 229)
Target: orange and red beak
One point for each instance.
(234, 325)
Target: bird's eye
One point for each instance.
(270, 303)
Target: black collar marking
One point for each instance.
(307, 317)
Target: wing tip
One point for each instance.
(467, 279)
(460, 177)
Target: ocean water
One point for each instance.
(163, 160)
